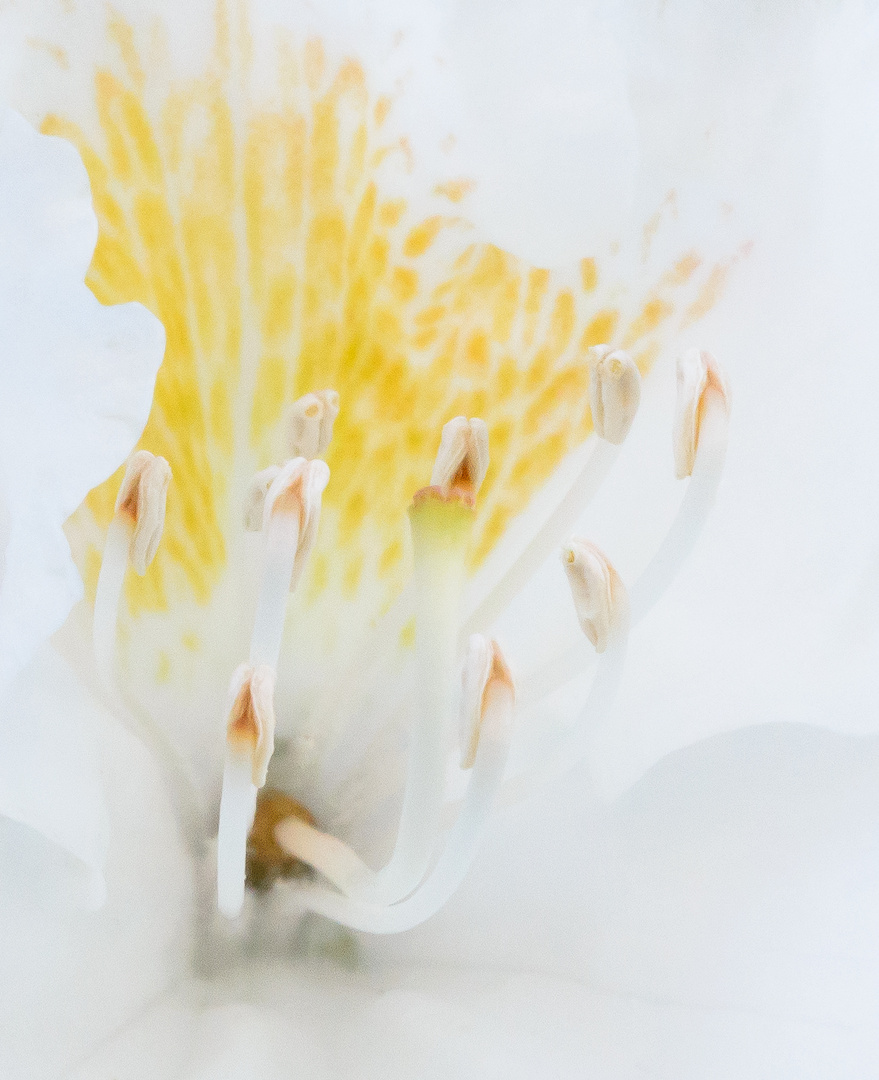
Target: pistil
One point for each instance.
(602, 607)
(441, 519)
(441, 528)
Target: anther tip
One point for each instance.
(700, 380)
(614, 392)
(462, 458)
(600, 598)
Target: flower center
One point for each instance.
(267, 861)
(263, 839)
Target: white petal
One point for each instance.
(49, 772)
(74, 977)
(76, 378)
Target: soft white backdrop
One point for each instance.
(718, 918)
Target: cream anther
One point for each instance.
(296, 493)
(486, 676)
(250, 729)
(142, 499)
(310, 423)
(699, 379)
(462, 458)
(614, 392)
(255, 499)
(599, 595)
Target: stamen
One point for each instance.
(290, 519)
(700, 385)
(310, 423)
(484, 669)
(702, 415)
(483, 666)
(603, 609)
(462, 459)
(495, 725)
(615, 392)
(255, 499)
(133, 537)
(250, 734)
(700, 437)
(599, 595)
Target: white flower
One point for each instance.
(362, 269)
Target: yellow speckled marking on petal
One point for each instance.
(280, 259)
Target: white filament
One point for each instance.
(458, 854)
(692, 513)
(500, 591)
(237, 809)
(574, 745)
(281, 539)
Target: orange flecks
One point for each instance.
(58, 54)
(711, 290)
(652, 314)
(667, 207)
(683, 269)
(381, 110)
(455, 190)
(281, 261)
(314, 63)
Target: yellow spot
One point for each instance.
(191, 641)
(588, 275)
(391, 212)
(455, 190)
(404, 284)
(683, 269)
(407, 635)
(382, 108)
(422, 236)
(163, 668)
(652, 314)
(538, 283)
(314, 63)
(600, 330)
